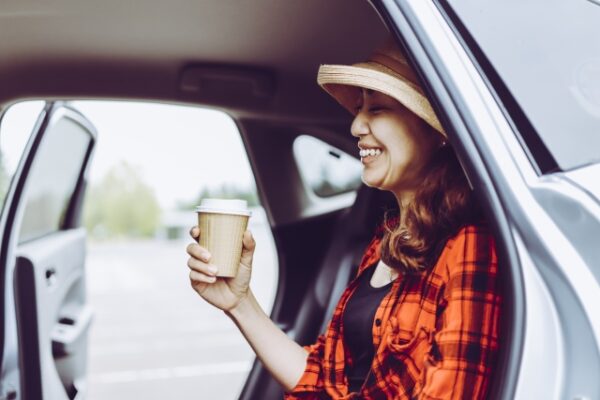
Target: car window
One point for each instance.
(152, 333)
(550, 64)
(53, 177)
(326, 170)
(16, 126)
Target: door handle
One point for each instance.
(7, 391)
(51, 276)
(69, 332)
(10, 394)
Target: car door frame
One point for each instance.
(10, 222)
(405, 19)
(486, 127)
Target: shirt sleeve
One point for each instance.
(311, 381)
(465, 345)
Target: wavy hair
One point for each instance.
(441, 206)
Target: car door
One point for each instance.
(46, 318)
(507, 121)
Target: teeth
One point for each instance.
(369, 152)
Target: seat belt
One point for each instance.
(347, 271)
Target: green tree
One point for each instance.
(122, 204)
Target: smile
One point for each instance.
(369, 154)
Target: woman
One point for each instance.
(420, 320)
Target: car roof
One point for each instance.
(146, 50)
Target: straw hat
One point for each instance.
(386, 71)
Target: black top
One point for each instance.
(358, 324)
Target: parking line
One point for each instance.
(187, 371)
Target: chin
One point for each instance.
(373, 183)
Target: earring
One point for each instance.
(444, 143)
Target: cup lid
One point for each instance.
(224, 206)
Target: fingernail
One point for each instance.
(206, 256)
(212, 269)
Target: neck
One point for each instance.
(404, 198)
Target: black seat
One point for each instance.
(353, 233)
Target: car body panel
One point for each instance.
(561, 272)
(44, 271)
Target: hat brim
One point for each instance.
(343, 82)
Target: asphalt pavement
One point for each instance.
(153, 337)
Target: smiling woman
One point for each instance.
(519, 103)
(420, 318)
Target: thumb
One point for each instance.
(249, 244)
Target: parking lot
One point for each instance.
(153, 337)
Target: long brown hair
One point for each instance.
(443, 203)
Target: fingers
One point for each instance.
(199, 252)
(202, 267)
(248, 246)
(196, 276)
(248, 241)
(195, 232)
(201, 270)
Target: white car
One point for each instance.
(516, 86)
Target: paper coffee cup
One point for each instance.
(222, 225)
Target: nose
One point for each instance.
(359, 125)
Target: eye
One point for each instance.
(375, 109)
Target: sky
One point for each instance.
(178, 150)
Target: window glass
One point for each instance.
(16, 127)
(327, 171)
(53, 177)
(153, 336)
(552, 69)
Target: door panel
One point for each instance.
(53, 319)
(43, 259)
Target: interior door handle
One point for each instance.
(50, 276)
(68, 333)
(7, 393)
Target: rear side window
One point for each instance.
(326, 170)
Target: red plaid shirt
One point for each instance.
(435, 335)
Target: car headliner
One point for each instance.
(127, 50)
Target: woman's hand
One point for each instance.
(283, 357)
(223, 293)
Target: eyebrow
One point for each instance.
(366, 91)
(363, 91)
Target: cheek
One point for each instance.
(401, 153)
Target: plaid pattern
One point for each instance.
(435, 334)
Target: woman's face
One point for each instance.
(396, 145)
